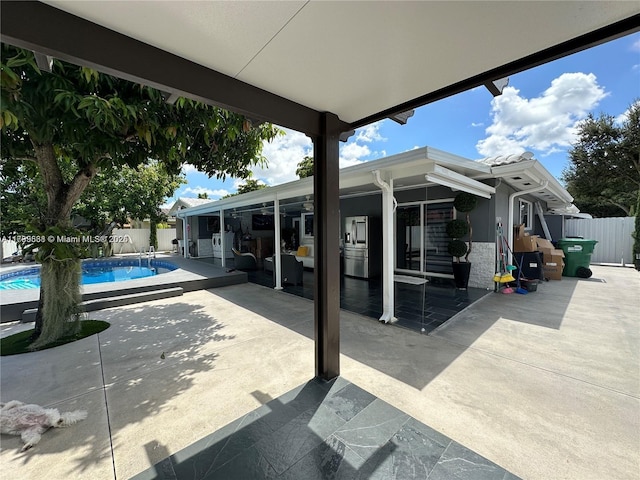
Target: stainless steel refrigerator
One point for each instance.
(356, 247)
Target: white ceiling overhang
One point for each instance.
(361, 61)
(525, 175)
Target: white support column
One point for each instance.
(185, 238)
(223, 243)
(276, 244)
(388, 287)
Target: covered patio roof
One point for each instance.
(284, 62)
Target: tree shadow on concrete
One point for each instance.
(149, 356)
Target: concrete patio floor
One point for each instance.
(546, 385)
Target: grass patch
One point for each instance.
(19, 343)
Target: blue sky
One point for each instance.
(537, 112)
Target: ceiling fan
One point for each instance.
(308, 205)
(265, 210)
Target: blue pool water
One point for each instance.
(93, 271)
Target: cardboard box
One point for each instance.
(523, 242)
(526, 243)
(553, 271)
(552, 263)
(544, 244)
(552, 256)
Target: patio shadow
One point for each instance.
(387, 349)
(323, 430)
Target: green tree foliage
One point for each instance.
(22, 200)
(604, 173)
(74, 122)
(203, 195)
(117, 195)
(250, 185)
(305, 167)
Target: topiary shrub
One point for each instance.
(457, 248)
(465, 202)
(457, 229)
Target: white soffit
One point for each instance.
(351, 58)
(527, 174)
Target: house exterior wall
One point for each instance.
(482, 220)
(483, 261)
(556, 226)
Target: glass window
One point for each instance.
(525, 214)
(307, 218)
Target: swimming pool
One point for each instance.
(93, 271)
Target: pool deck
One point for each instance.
(544, 385)
(190, 275)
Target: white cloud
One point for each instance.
(283, 155)
(370, 133)
(186, 168)
(352, 153)
(636, 45)
(623, 117)
(213, 194)
(545, 123)
(285, 152)
(479, 124)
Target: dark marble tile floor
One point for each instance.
(325, 430)
(442, 299)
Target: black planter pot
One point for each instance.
(461, 273)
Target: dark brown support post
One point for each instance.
(326, 250)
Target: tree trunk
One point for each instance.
(58, 307)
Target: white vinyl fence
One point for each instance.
(614, 238)
(132, 240)
(129, 240)
(9, 247)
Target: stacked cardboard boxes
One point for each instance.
(552, 259)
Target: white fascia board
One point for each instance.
(411, 157)
(411, 163)
(452, 161)
(454, 180)
(296, 188)
(394, 165)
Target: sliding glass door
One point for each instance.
(421, 240)
(436, 257)
(408, 237)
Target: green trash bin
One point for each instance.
(577, 256)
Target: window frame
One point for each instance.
(528, 224)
